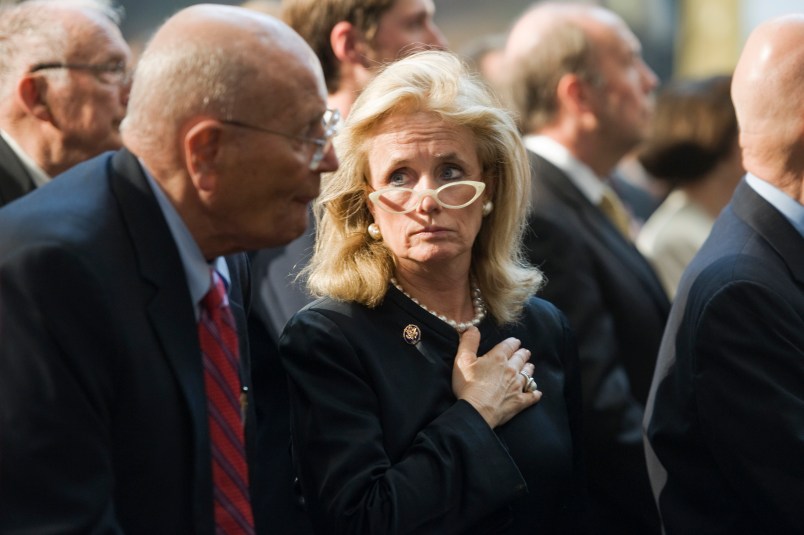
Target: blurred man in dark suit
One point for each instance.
(725, 419)
(64, 83)
(584, 96)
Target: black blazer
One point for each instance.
(103, 423)
(276, 296)
(382, 445)
(14, 178)
(617, 308)
(725, 422)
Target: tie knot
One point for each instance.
(215, 298)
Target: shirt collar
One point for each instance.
(579, 173)
(196, 268)
(791, 209)
(38, 175)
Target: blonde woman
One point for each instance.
(430, 392)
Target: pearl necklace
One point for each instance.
(477, 301)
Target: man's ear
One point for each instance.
(348, 43)
(571, 92)
(32, 95)
(576, 98)
(201, 145)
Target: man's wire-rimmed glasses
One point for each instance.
(113, 72)
(330, 121)
(403, 200)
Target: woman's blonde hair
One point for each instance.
(347, 264)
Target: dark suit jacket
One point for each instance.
(14, 178)
(277, 296)
(278, 503)
(617, 308)
(382, 445)
(725, 422)
(103, 423)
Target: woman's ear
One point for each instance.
(491, 175)
(371, 207)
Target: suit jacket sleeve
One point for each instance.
(56, 467)
(748, 375)
(350, 482)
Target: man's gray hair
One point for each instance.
(34, 32)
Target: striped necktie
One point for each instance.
(219, 347)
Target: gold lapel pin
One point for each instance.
(412, 334)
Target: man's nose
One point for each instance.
(329, 163)
(437, 38)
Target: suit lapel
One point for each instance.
(769, 223)
(170, 308)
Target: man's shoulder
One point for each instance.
(736, 251)
(69, 186)
(554, 196)
(720, 277)
(335, 309)
(75, 205)
(544, 174)
(15, 181)
(560, 218)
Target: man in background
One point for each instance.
(124, 370)
(64, 83)
(725, 419)
(353, 39)
(584, 96)
(486, 54)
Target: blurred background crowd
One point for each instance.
(681, 38)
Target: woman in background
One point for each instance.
(694, 147)
(413, 406)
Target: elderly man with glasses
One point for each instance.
(125, 392)
(64, 83)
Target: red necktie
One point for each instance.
(219, 347)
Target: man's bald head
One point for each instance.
(214, 60)
(768, 98)
(575, 73)
(226, 112)
(548, 41)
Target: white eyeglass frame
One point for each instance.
(419, 195)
